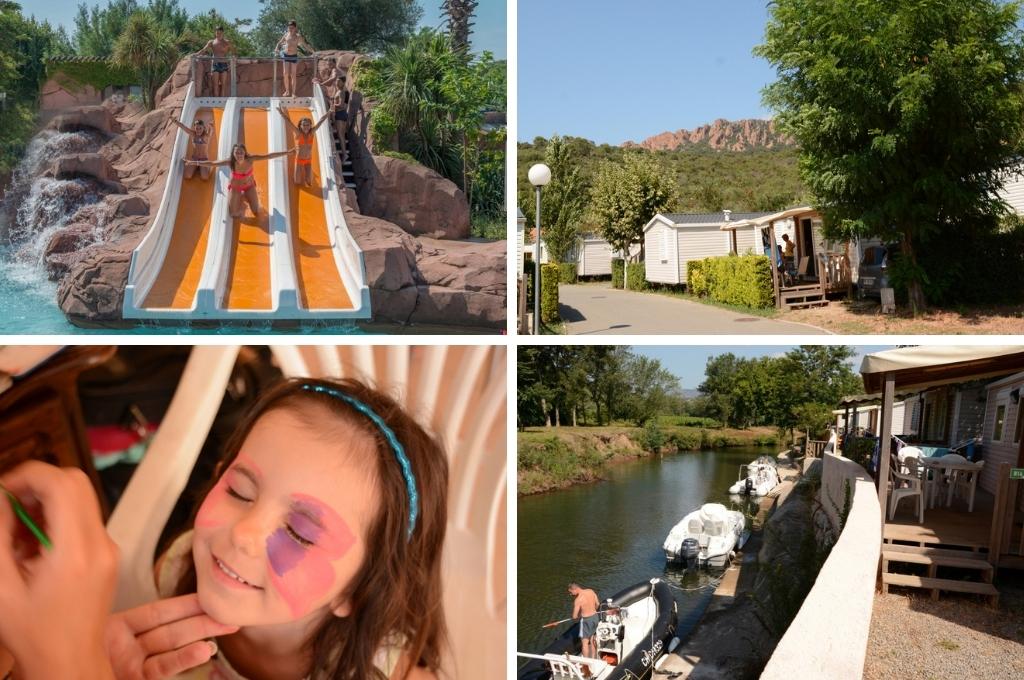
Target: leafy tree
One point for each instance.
(430, 104)
(649, 386)
(148, 49)
(460, 15)
(563, 202)
(625, 198)
(369, 26)
(200, 28)
(908, 115)
(98, 28)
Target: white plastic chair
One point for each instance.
(458, 392)
(912, 489)
(965, 482)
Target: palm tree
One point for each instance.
(149, 50)
(459, 13)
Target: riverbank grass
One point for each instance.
(552, 458)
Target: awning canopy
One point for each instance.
(764, 221)
(920, 367)
(874, 399)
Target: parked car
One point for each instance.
(873, 270)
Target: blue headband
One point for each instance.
(403, 461)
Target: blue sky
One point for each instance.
(688, 363)
(617, 71)
(488, 34)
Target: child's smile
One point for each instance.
(279, 536)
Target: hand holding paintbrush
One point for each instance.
(55, 598)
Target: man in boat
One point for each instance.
(220, 47)
(585, 604)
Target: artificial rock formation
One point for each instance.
(417, 270)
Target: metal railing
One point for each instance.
(235, 61)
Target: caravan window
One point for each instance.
(666, 241)
(997, 433)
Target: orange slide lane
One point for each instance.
(176, 283)
(249, 280)
(320, 285)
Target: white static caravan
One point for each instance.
(1004, 428)
(1013, 192)
(520, 241)
(594, 256)
(673, 239)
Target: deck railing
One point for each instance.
(815, 448)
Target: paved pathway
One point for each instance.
(599, 309)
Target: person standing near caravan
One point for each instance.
(585, 604)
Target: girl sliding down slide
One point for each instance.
(243, 184)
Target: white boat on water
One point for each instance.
(706, 537)
(756, 479)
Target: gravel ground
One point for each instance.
(955, 637)
(863, 317)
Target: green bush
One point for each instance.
(567, 272)
(686, 440)
(696, 277)
(400, 155)
(860, 450)
(528, 274)
(652, 438)
(636, 275)
(549, 293)
(617, 272)
(690, 421)
(744, 280)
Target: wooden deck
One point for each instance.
(951, 527)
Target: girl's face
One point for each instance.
(304, 125)
(239, 153)
(283, 532)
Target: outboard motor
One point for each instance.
(688, 552)
(748, 487)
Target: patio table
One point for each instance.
(940, 468)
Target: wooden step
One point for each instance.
(934, 556)
(935, 584)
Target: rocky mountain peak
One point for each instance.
(722, 135)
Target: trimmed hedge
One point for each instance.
(549, 293)
(636, 275)
(697, 277)
(618, 276)
(567, 272)
(744, 280)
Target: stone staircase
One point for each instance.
(348, 173)
(965, 562)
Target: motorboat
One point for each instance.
(636, 627)
(706, 537)
(757, 478)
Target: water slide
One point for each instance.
(295, 260)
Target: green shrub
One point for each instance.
(567, 272)
(652, 438)
(400, 155)
(686, 440)
(690, 421)
(617, 272)
(528, 274)
(744, 280)
(636, 275)
(860, 450)
(765, 440)
(696, 278)
(549, 293)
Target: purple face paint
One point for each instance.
(301, 573)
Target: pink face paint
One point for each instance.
(302, 574)
(213, 511)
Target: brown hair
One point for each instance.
(231, 162)
(396, 594)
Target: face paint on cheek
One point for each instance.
(212, 511)
(304, 574)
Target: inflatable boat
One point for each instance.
(635, 629)
(706, 537)
(756, 479)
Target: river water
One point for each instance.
(608, 535)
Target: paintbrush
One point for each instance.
(23, 515)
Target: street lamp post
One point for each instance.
(540, 175)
